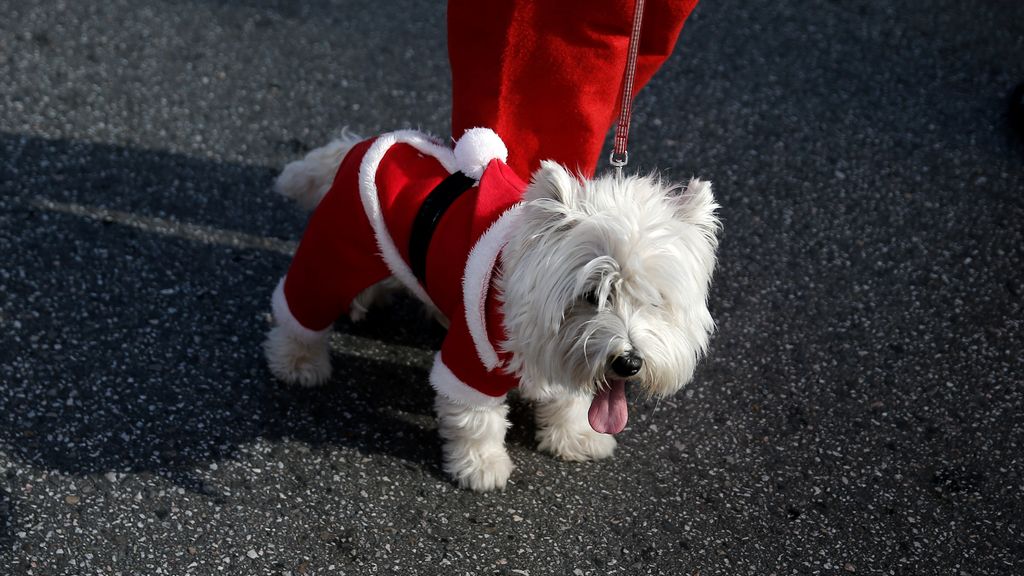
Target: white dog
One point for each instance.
(568, 288)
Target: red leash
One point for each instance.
(619, 156)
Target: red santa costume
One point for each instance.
(403, 205)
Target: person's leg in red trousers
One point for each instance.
(546, 75)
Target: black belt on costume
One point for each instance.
(429, 214)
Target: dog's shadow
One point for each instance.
(386, 405)
(377, 399)
(131, 325)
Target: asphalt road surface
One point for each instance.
(861, 411)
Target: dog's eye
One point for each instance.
(591, 297)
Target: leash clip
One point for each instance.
(619, 156)
(618, 161)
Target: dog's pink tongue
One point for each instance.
(608, 411)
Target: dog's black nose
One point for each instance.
(627, 365)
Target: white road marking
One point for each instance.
(166, 227)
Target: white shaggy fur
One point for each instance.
(643, 250)
(593, 271)
(307, 181)
(563, 430)
(474, 443)
(297, 360)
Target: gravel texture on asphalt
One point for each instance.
(861, 410)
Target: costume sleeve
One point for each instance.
(459, 373)
(547, 75)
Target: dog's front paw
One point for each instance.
(564, 430)
(480, 471)
(474, 444)
(575, 443)
(297, 361)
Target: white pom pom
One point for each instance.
(476, 149)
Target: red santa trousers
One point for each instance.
(547, 75)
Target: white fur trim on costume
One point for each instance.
(477, 279)
(476, 149)
(447, 383)
(371, 201)
(284, 317)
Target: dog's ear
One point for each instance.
(552, 182)
(696, 205)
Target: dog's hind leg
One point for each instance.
(381, 294)
(296, 354)
(377, 294)
(474, 443)
(298, 358)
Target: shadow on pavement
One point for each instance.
(131, 348)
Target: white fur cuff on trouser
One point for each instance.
(448, 385)
(283, 317)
